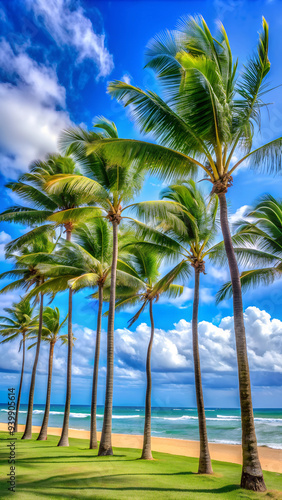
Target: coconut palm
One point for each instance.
(31, 187)
(50, 334)
(20, 322)
(145, 266)
(94, 237)
(186, 230)
(207, 119)
(25, 268)
(257, 242)
(111, 187)
(83, 263)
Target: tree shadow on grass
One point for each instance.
(82, 482)
(64, 490)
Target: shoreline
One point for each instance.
(271, 459)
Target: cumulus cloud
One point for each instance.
(41, 81)
(239, 214)
(32, 111)
(4, 239)
(69, 26)
(172, 356)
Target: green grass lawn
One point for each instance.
(45, 471)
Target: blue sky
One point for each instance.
(56, 58)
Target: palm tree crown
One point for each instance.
(19, 321)
(258, 242)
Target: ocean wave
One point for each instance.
(229, 417)
(275, 420)
(184, 417)
(126, 416)
(37, 412)
(56, 413)
(275, 446)
(80, 415)
(223, 441)
(226, 441)
(190, 417)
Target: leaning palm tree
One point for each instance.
(41, 204)
(25, 269)
(206, 120)
(50, 334)
(186, 229)
(111, 188)
(145, 266)
(20, 322)
(257, 242)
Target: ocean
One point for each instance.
(223, 425)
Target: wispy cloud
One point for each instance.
(70, 27)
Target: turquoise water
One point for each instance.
(223, 425)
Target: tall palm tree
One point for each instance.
(111, 187)
(186, 229)
(20, 322)
(94, 237)
(31, 187)
(25, 268)
(145, 265)
(51, 334)
(83, 263)
(208, 118)
(257, 242)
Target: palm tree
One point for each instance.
(21, 322)
(257, 242)
(31, 187)
(25, 268)
(89, 257)
(186, 229)
(111, 187)
(51, 334)
(145, 266)
(80, 264)
(94, 237)
(207, 118)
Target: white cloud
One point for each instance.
(4, 239)
(69, 26)
(172, 355)
(8, 298)
(126, 78)
(181, 301)
(239, 214)
(206, 297)
(30, 118)
(218, 273)
(41, 81)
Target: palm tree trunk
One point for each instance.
(43, 431)
(28, 426)
(146, 452)
(64, 440)
(252, 477)
(20, 388)
(205, 466)
(93, 423)
(105, 447)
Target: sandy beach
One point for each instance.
(271, 459)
